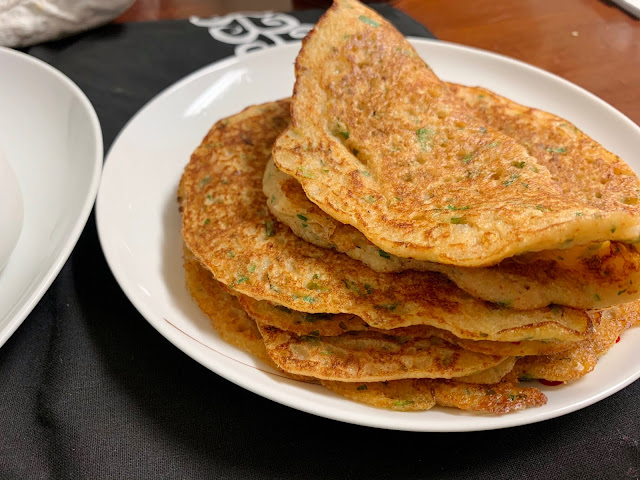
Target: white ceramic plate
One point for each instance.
(139, 223)
(50, 134)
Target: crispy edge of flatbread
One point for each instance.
(582, 358)
(226, 315)
(403, 395)
(423, 394)
(590, 276)
(327, 324)
(366, 356)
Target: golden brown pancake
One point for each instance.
(567, 366)
(497, 398)
(581, 359)
(402, 395)
(591, 276)
(422, 394)
(613, 323)
(588, 276)
(379, 142)
(226, 315)
(326, 324)
(570, 365)
(365, 356)
(228, 228)
(238, 329)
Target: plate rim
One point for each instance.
(78, 225)
(180, 341)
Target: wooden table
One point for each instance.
(590, 42)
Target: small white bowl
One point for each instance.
(51, 134)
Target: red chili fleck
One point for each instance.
(550, 383)
(618, 339)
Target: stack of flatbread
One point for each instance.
(406, 242)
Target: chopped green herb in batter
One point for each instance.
(368, 21)
(270, 228)
(557, 150)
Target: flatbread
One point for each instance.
(423, 394)
(228, 228)
(581, 358)
(613, 323)
(367, 356)
(589, 276)
(567, 366)
(379, 142)
(225, 313)
(238, 329)
(592, 276)
(326, 325)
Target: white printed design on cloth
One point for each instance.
(253, 31)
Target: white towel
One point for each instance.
(26, 22)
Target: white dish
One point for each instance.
(11, 210)
(51, 135)
(139, 224)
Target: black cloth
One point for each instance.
(88, 389)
